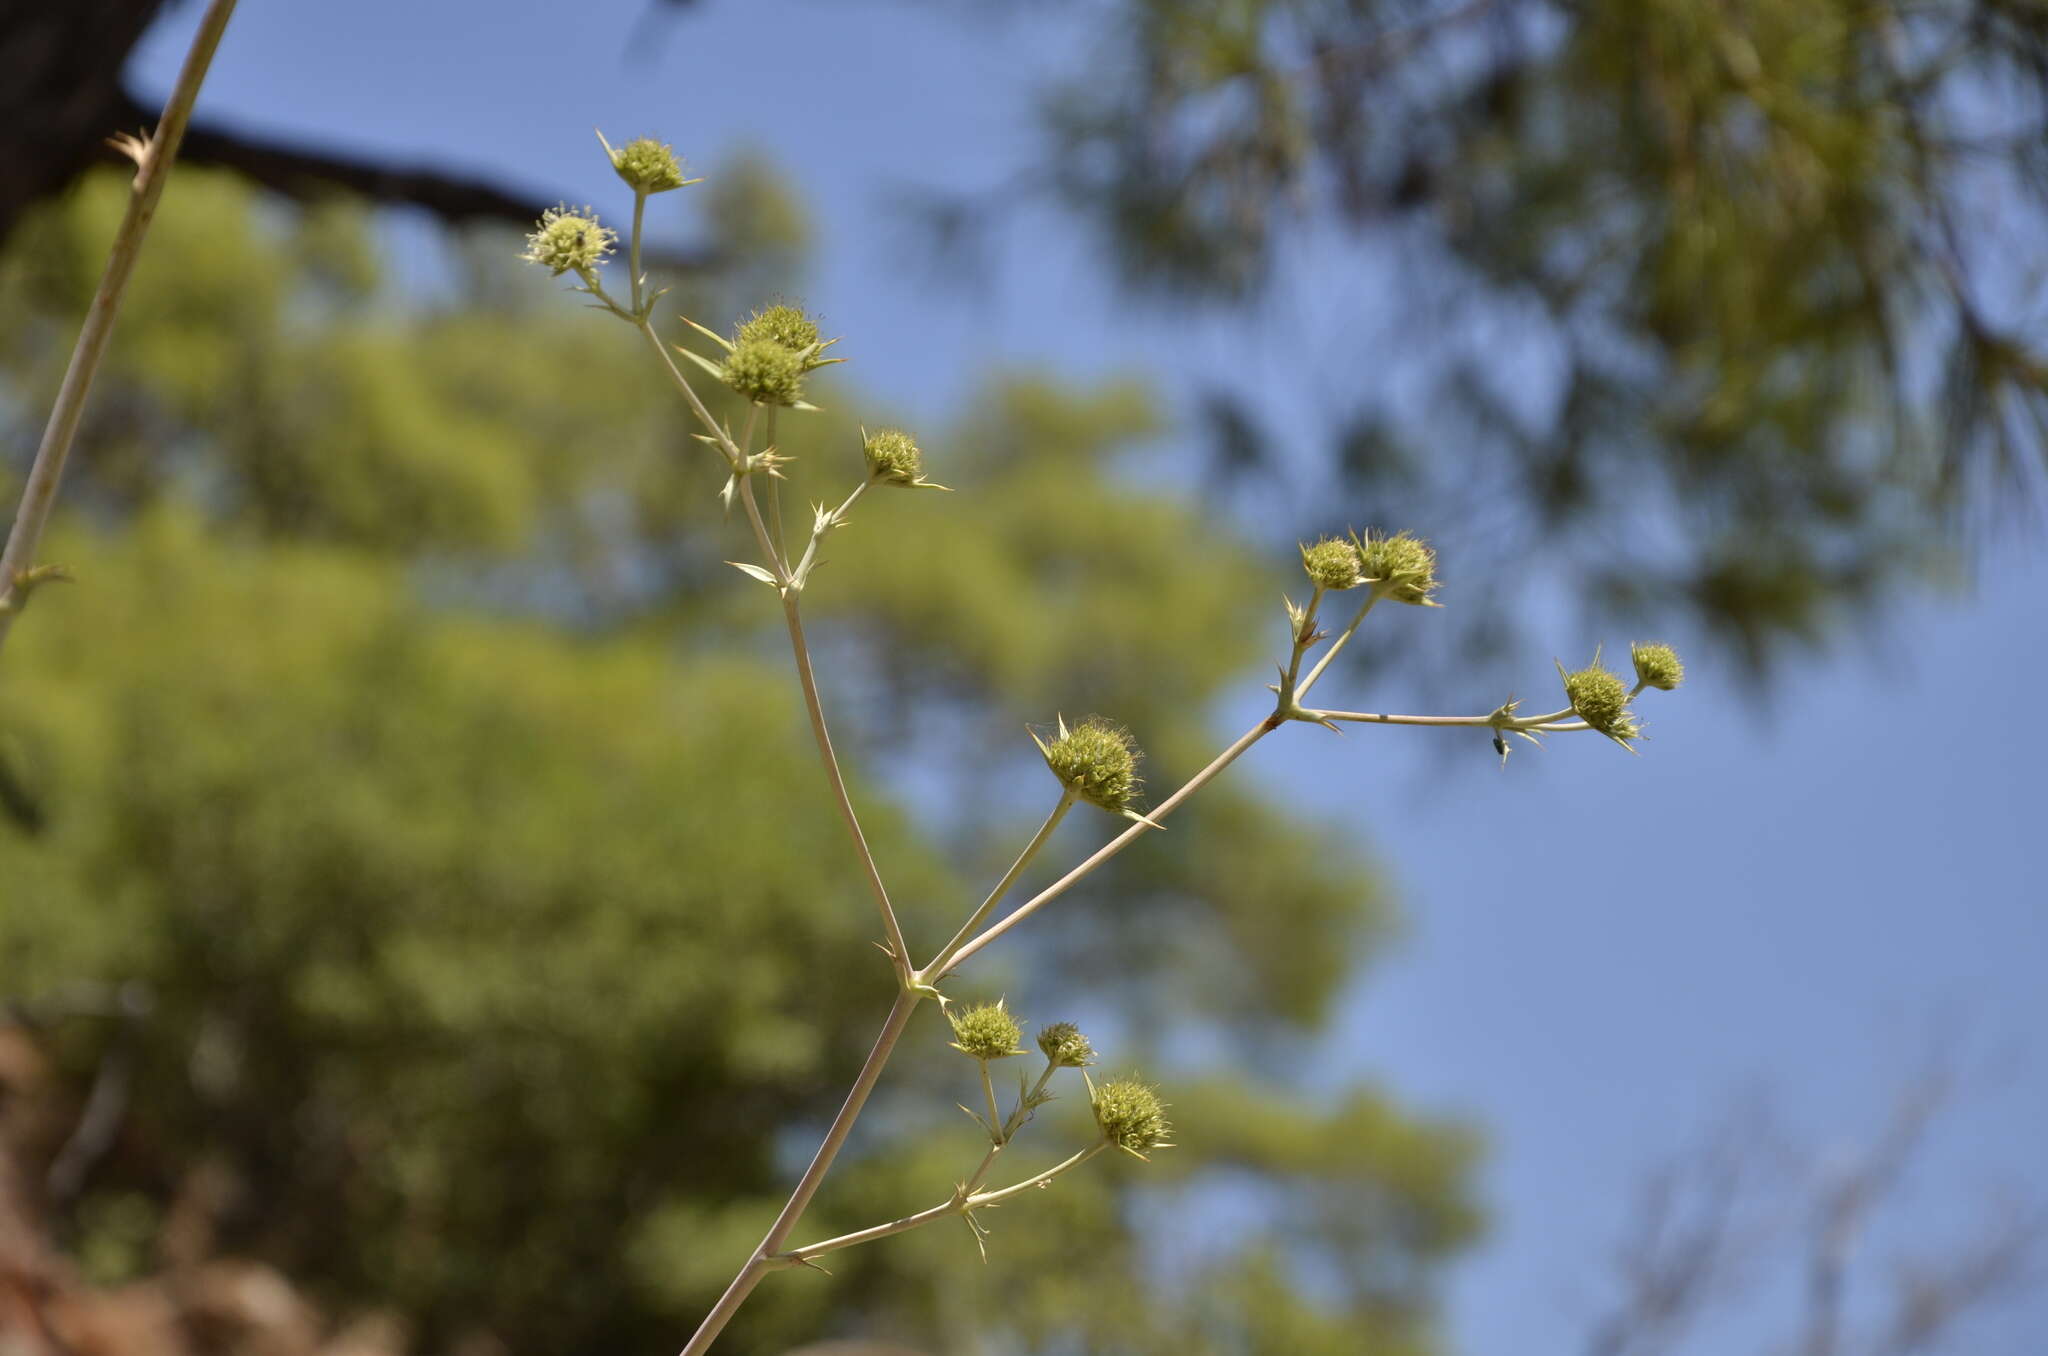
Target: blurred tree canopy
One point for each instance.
(1720, 305)
(408, 741)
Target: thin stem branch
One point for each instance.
(1515, 723)
(154, 158)
(774, 491)
(960, 1204)
(980, 1199)
(899, 950)
(800, 1199)
(997, 1126)
(639, 216)
(682, 383)
(935, 971)
(1122, 840)
(1343, 637)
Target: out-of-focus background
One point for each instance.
(422, 927)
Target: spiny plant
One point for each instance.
(767, 359)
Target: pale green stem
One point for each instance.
(960, 1204)
(1336, 645)
(934, 972)
(639, 214)
(1010, 1126)
(899, 951)
(775, 524)
(980, 1199)
(1514, 723)
(763, 1260)
(1122, 840)
(995, 1117)
(682, 383)
(153, 168)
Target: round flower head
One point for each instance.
(569, 239)
(894, 457)
(1400, 567)
(1130, 1116)
(1332, 564)
(785, 325)
(764, 372)
(1657, 666)
(986, 1031)
(1097, 761)
(1065, 1046)
(1600, 698)
(647, 165)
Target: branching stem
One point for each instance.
(1122, 840)
(960, 1204)
(934, 972)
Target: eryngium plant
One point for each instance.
(766, 359)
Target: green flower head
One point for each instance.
(1130, 1116)
(569, 239)
(1065, 1046)
(765, 372)
(1400, 567)
(784, 324)
(647, 165)
(986, 1031)
(1657, 666)
(893, 457)
(1095, 760)
(1600, 698)
(1332, 563)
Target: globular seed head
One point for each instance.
(782, 323)
(569, 239)
(1332, 563)
(1131, 1116)
(986, 1031)
(647, 165)
(893, 457)
(1097, 761)
(1657, 666)
(1401, 567)
(765, 372)
(1065, 1046)
(1600, 698)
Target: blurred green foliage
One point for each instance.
(408, 738)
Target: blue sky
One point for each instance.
(1604, 952)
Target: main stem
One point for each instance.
(39, 495)
(762, 1262)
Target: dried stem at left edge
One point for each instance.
(154, 158)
